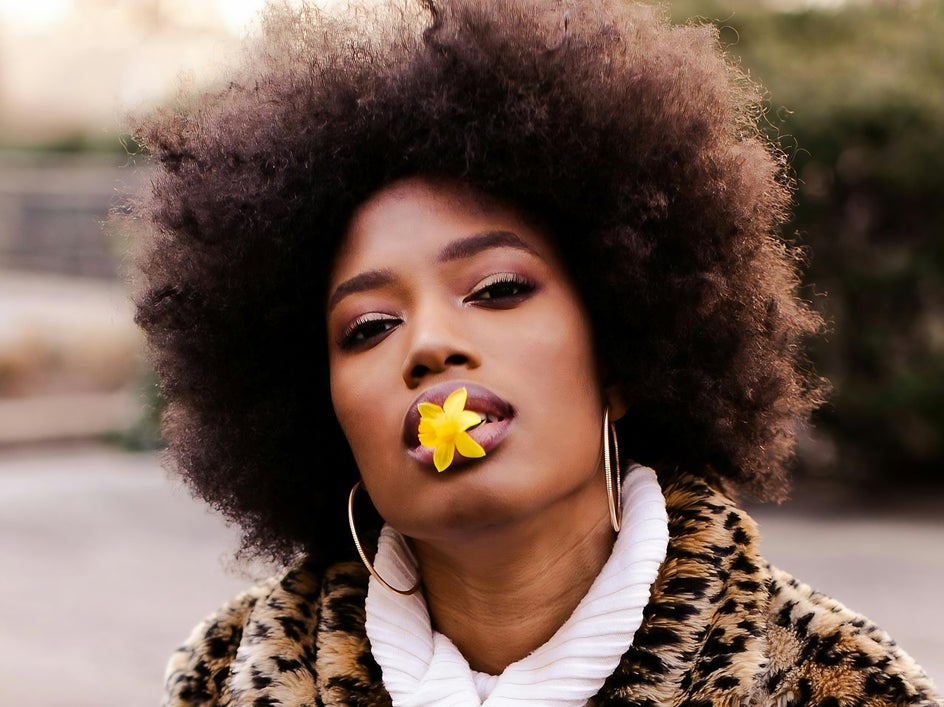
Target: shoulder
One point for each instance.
(206, 669)
(820, 652)
(787, 644)
(199, 668)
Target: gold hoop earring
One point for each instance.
(360, 550)
(612, 471)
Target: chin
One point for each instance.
(470, 501)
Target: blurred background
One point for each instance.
(105, 562)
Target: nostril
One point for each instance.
(421, 369)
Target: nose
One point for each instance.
(437, 343)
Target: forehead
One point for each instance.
(417, 217)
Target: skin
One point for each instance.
(527, 525)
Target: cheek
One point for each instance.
(371, 418)
(559, 364)
(564, 346)
(342, 396)
(358, 406)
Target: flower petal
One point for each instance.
(455, 403)
(429, 410)
(468, 447)
(443, 456)
(467, 419)
(429, 439)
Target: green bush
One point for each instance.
(856, 99)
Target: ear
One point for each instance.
(614, 399)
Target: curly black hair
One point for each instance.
(634, 139)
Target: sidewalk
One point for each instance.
(107, 564)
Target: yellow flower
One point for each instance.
(444, 429)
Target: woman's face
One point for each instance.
(436, 288)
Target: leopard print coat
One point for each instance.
(722, 627)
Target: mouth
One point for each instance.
(496, 413)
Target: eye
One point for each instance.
(366, 330)
(501, 291)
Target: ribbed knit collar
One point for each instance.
(423, 667)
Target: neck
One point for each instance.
(483, 591)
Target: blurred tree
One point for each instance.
(856, 99)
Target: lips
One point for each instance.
(498, 415)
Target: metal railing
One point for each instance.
(53, 212)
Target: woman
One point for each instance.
(445, 257)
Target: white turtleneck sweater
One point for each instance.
(421, 666)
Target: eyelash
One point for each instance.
(499, 291)
(493, 292)
(359, 333)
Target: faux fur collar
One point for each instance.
(721, 628)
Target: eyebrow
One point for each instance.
(455, 250)
(368, 280)
(476, 243)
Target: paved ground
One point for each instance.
(105, 564)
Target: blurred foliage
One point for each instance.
(856, 99)
(75, 142)
(145, 433)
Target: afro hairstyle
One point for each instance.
(634, 139)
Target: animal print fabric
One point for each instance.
(722, 628)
